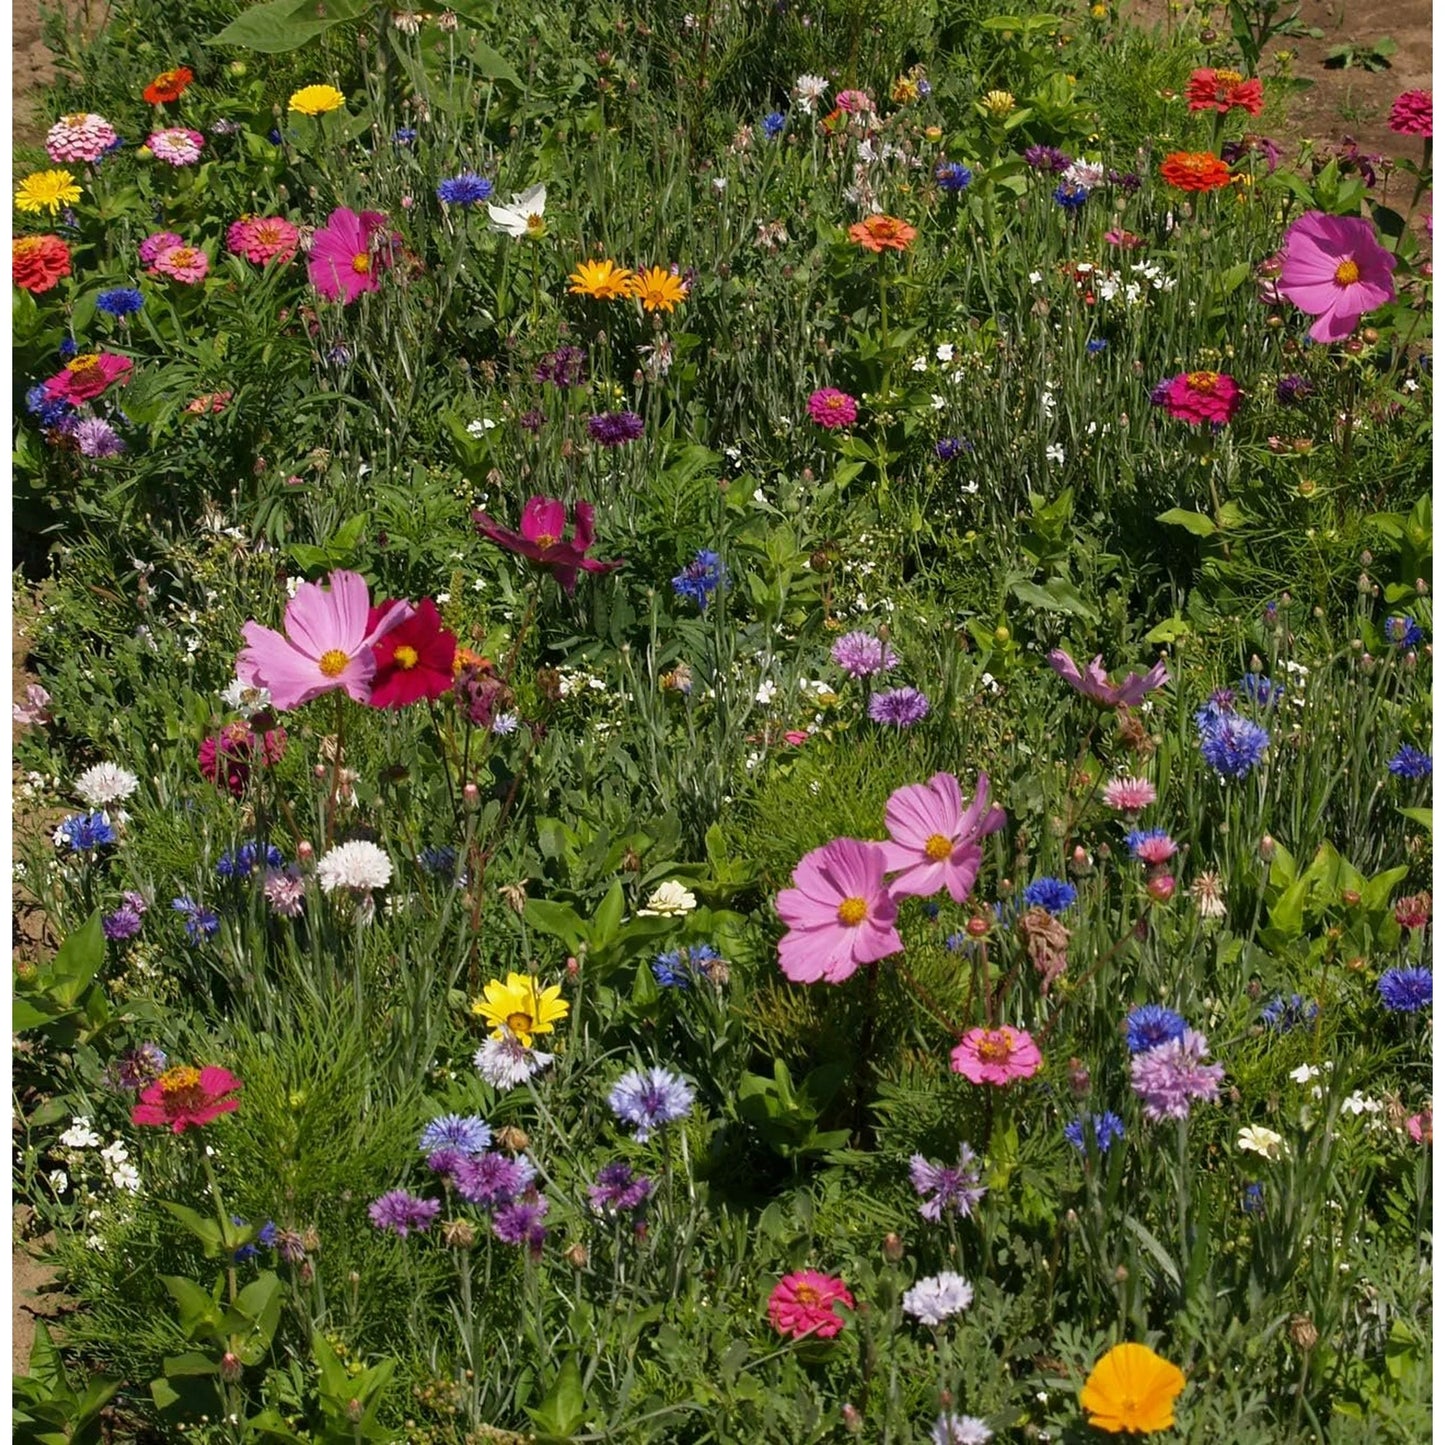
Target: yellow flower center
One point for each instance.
(179, 1080)
(405, 658)
(545, 540)
(1347, 273)
(520, 1023)
(361, 264)
(82, 363)
(805, 1294)
(535, 224)
(995, 1048)
(852, 912)
(182, 256)
(333, 662)
(1203, 380)
(1228, 77)
(938, 847)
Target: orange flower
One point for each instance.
(1132, 1389)
(601, 280)
(658, 289)
(882, 233)
(168, 85)
(1194, 171)
(1223, 90)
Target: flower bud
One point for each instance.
(573, 968)
(230, 1367)
(1161, 889)
(852, 1420)
(354, 1412)
(576, 1255)
(1303, 1332)
(471, 794)
(977, 926)
(459, 1234)
(512, 1139)
(892, 1248)
(304, 851)
(1078, 1077)
(1267, 848)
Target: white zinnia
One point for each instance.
(105, 783)
(938, 1298)
(358, 864)
(671, 898)
(1258, 1140)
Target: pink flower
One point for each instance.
(1421, 1127)
(152, 246)
(178, 147)
(801, 1304)
(327, 644)
(935, 842)
(33, 711)
(1335, 270)
(1124, 240)
(832, 408)
(795, 737)
(83, 137)
(855, 102)
(186, 1097)
(1093, 683)
(996, 1056)
(263, 238)
(1129, 795)
(83, 378)
(839, 913)
(1198, 397)
(1413, 113)
(543, 538)
(345, 258)
(186, 264)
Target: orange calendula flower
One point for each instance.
(1132, 1390)
(658, 289)
(169, 85)
(1224, 90)
(882, 233)
(1194, 171)
(601, 280)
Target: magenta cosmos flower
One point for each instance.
(1093, 683)
(832, 408)
(1413, 113)
(1335, 270)
(935, 839)
(543, 539)
(1200, 397)
(839, 913)
(344, 260)
(327, 645)
(996, 1056)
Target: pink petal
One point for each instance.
(798, 910)
(915, 814)
(922, 880)
(873, 943)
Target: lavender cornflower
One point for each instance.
(900, 708)
(1151, 1024)
(1410, 763)
(201, 923)
(448, 1162)
(466, 1132)
(1052, 894)
(1108, 1126)
(703, 576)
(614, 428)
(618, 1190)
(494, 1179)
(953, 177)
(951, 1429)
(861, 654)
(85, 833)
(521, 1223)
(1233, 745)
(1048, 158)
(948, 1187)
(122, 924)
(401, 1212)
(96, 439)
(1159, 392)
(1406, 990)
(938, 1298)
(136, 1070)
(467, 189)
(1172, 1076)
(648, 1099)
(1283, 1014)
(1291, 390)
(567, 366)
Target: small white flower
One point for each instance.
(1259, 1140)
(80, 1135)
(669, 900)
(944, 351)
(523, 216)
(1089, 174)
(1035, 277)
(358, 865)
(480, 427)
(105, 783)
(1055, 453)
(58, 1180)
(808, 90)
(719, 184)
(767, 691)
(920, 363)
(1358, 1104)
(939, 402)
(245, 699)
(938, 1298)
(1304, 1073)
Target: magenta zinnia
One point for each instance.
(1335, 270)
(185, 1098)
(839, 913)
(832, 408)
(936, 842)
(1413, 113)
(1200, 397)
(801, 1305)
(346, 258)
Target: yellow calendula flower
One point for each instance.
(658, 290)
(999, 103)
(601, 280)
(519, 1008)
(317, 100)
(46, 191)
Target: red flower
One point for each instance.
(544, 521)
(801, 1304)
(1194, 171)
(413, 660)
(226, 761)
(38, 262)
(1224, 90)
(168, 85)
(187, 1096)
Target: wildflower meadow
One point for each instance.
(729, 729)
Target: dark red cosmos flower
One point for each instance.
(544, 521)
(413, 660)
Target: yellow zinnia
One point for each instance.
(601, 280)
(46, 191)
(519, 1009)
(1132, 1389)
(658, 290)
(317, 99)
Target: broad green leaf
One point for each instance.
(562, 1408)
(1195, 522)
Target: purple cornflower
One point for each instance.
(1127, 181)
(122, 924)
(900, 708)
(456, 1131)
(954, 1187)
(649, 1098)
(947, 448)
(1406, 990)
(1159, 393)
(618, 1189)
(521, 1223)
(953, 176)
(1411, 763)
(1291, 390)
(1151, 1024)
(1233, 745)
(265, 1239)
(493, 1179)
(96, 439)
(135, 1070)
(448, 1162)
(1048, 158)
(1231, 152)
(1170, 1077)
(567, 366)
(614, 428)
(401, 1212)
(532, 421)
(861, 654)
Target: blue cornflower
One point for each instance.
(466, 1132)
(265, 1239)
(956, 942)
(953, 176)
(201, 923)
(1151, 1024)
(1410, 763)
(1260, 690)
(48, 411)
(1253, 1201)
(1052, 894)
(1406, 990)
(1108, 1126)
(247, 859)
(1095, 345)
(773, 124)
(1232, 745)
(120, 301)
(947, 448)
(1283, 1014)
(85, 832)
(650, 1098)
(442, 860)
(1403, 632)
(701, 578)
(1070, 197)
(678, 968)
(467, 189)
(404, 136)
(67, 347)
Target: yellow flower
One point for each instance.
(998, 103)
(317, 99)
(658, 290)
(601, 280)
(46, 191)
(1132, 1389)
(519, 1009)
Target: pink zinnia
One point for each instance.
(263, 238)
(1200, 397)
(187, 1098)
(152, 246)
(1093, 683)
(839, 913)
(83, 137)
(832, 408)
(1129, 795)
(1335, 270)
(83, 378)
(801, 1305)
(177, 147)
(327, 645)
(935, 841)
(1413, 113)
(345, 258)
(186, 264)
(996, 1056)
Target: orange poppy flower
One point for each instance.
(1195, 171)
(168, 85)
(882, 233)
(1132, 1390)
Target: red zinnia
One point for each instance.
(185, 1097)
(1194, 171)
(414, 660)
(801, 1304)
(1224, 90)
(544, 521)
(38, 262)
(85, 377)
(1198, 397)
(881, 233)
(168, 85)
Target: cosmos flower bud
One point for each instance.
(304, 851)
(573, 968)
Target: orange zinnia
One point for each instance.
(1132, 1389)
(1223, 90)
(882, 233)
(168, 85)
(1194, 171)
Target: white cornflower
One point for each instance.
(80, 1135)
(1089, 174)
(808, 90)
(1208, 894)
(1258, 1140)
(938, 1298)
(523, 217)
(505, 1063)
(951, 1429)
(105, 783)
(359, 865)
(669, 900)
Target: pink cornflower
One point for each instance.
(1129, 795)
(83, 378)
(839, 913)
(263, 238)
(327, 644)
(1413, 113)
(176, 147)
(345, 257)
(1335, 270)
(1200, 397)
(186, 264)
(284, 891)
(936, 842)
(996, 1056)
(82, 137)
(1152, 846)
(854, 102)
(1171, 1076)
(801, 1304)
(832, 408)
(1093, 683)
(152, 246)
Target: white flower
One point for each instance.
(951, 1429)
(58, 1180)
(105, 783)
(938, 1298)
(1035, 277)
(719, 184)
(939, 402)
(767, 691)
(1088, 174)
(1357, 1104)
(358, 864)
(480, 428)
(920, 363)
(944, 351)
(1304, 1073)
(504, 1063)
(523, 216)
(808, 90)
(80, 1135)
(1055, 453)
(669, 900)
(1258, 1140)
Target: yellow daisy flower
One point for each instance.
(46, 191)
(998, 103)
(658, 290)
(317, 100)
(519, 1008)
(601, 280)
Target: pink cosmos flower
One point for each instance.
(935, 841)
(839, 913)
(345, 258)
(1200, 397)
(152, 246)
(83, 378)
(327, 644)
(1413, 113)
(1335, 270)
(832, 408)
(263, 238)
(1129, 795)
(996, 1056)
(34, 711)
(801, 1305)
(177, 147)
(1093, 683)
(186, 264)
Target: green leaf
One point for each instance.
(1195, 522)
(1055, 595)
(78, 961)
(560, 920)
(208, 1231)
(608, 918)
(1169, 631)
(1422, 816)
(1156, 1249)
(563, 1407)
(283, 25)
(191, 1363)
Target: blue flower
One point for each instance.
(120, 301)
(1283, 1014)
(956, 942)
(1403, 632)
(247, 859)
(48, 411)
(1232, 745)
(1095, 345)
(468, 1133)
(265, 1239)
(85, 832)
(1070, 197)
(1410, 763)
(1150, 1025)
(947, 448)
(773, 124)
(404, 136)
(1406, 990)
(678, 968)
(952, 176)
(67, 348)
(467, 189)
(701, 578)
(442, 860)
(201, 923)
(1260, 690)
(1253, 1201)
(1107, 1127)
(1052, 894)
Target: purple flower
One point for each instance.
(493, 1179)
(861, 654)
(135, 1070)
(448, 1162)
(1093, 682)
(614, 428)
(466, 1133)
(1292, 389)
(1170, 1077)
(1048, 158)
(900, 708)
(649, 1098)
(521, 1223)
(401, 1212)
(122, 924)
(567, 366)
(956, 1188)
(618, 1189)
